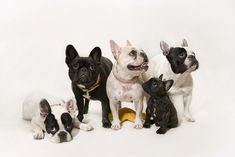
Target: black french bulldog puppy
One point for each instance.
(88, 76)
(159, 106)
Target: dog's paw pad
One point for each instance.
(107, 124)
(161, 131)
(116, 126)
(88, 127)
(138, 126)
(146, 125)
(38, 135)
(189, 119)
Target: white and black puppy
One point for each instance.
(53, 116)
(176, 63)
(123, 84)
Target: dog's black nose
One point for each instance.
(144, 56)
(191, 57)
(84, 69)
(62, 135)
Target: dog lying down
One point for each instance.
(52, 116)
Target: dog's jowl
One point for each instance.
(88, 76)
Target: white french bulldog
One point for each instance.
(53, 116)
(176, 63)
(123, 84)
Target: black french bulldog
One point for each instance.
(159, 106)
(88, 76)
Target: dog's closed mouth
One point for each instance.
(143, 66)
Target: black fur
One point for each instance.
(159, 106)
(51, 124)
(67, 121)
(85, 71)
(176, 58)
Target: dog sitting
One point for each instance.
(159, 106)
(176, 63)
(53, 116)
(123, 84)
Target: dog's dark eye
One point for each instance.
(76, 66)
(182, 55)
(92, 67)
(133, 53)
(154, 83)
(53, 130)
(69, 128)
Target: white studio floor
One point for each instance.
(33, 37)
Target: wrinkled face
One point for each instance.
(157, 87)
(83, 71)
(182, 59)
(130, 58)
(133, 59)
(58, 120)
(59, 125)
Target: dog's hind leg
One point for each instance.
(187, 106)
(178, 102)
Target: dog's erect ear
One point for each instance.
(168, 84)
(165, 47)
(45, 108)
(160, 77)
(184, 43)
(71, 53)
(128, 43)
(96, 54)
(115, 49)
(71, 105)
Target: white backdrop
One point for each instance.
(33, 37)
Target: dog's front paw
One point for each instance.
(80, 117)
(38, 135)
(106, 124)
(86, 127)
(147, 125)
(116, 126)
(138, 124)
(189, 118)
(161, 131)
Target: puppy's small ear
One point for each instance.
(160, 77)
(71, 53)
(45, 108)
(128, 43)
(71, 105)
(115, 49)
(164, 47)
(96, 54)
(184, 43)
(168, 84)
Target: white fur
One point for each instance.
(118, 91)
(181, 91)
(31, 112)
